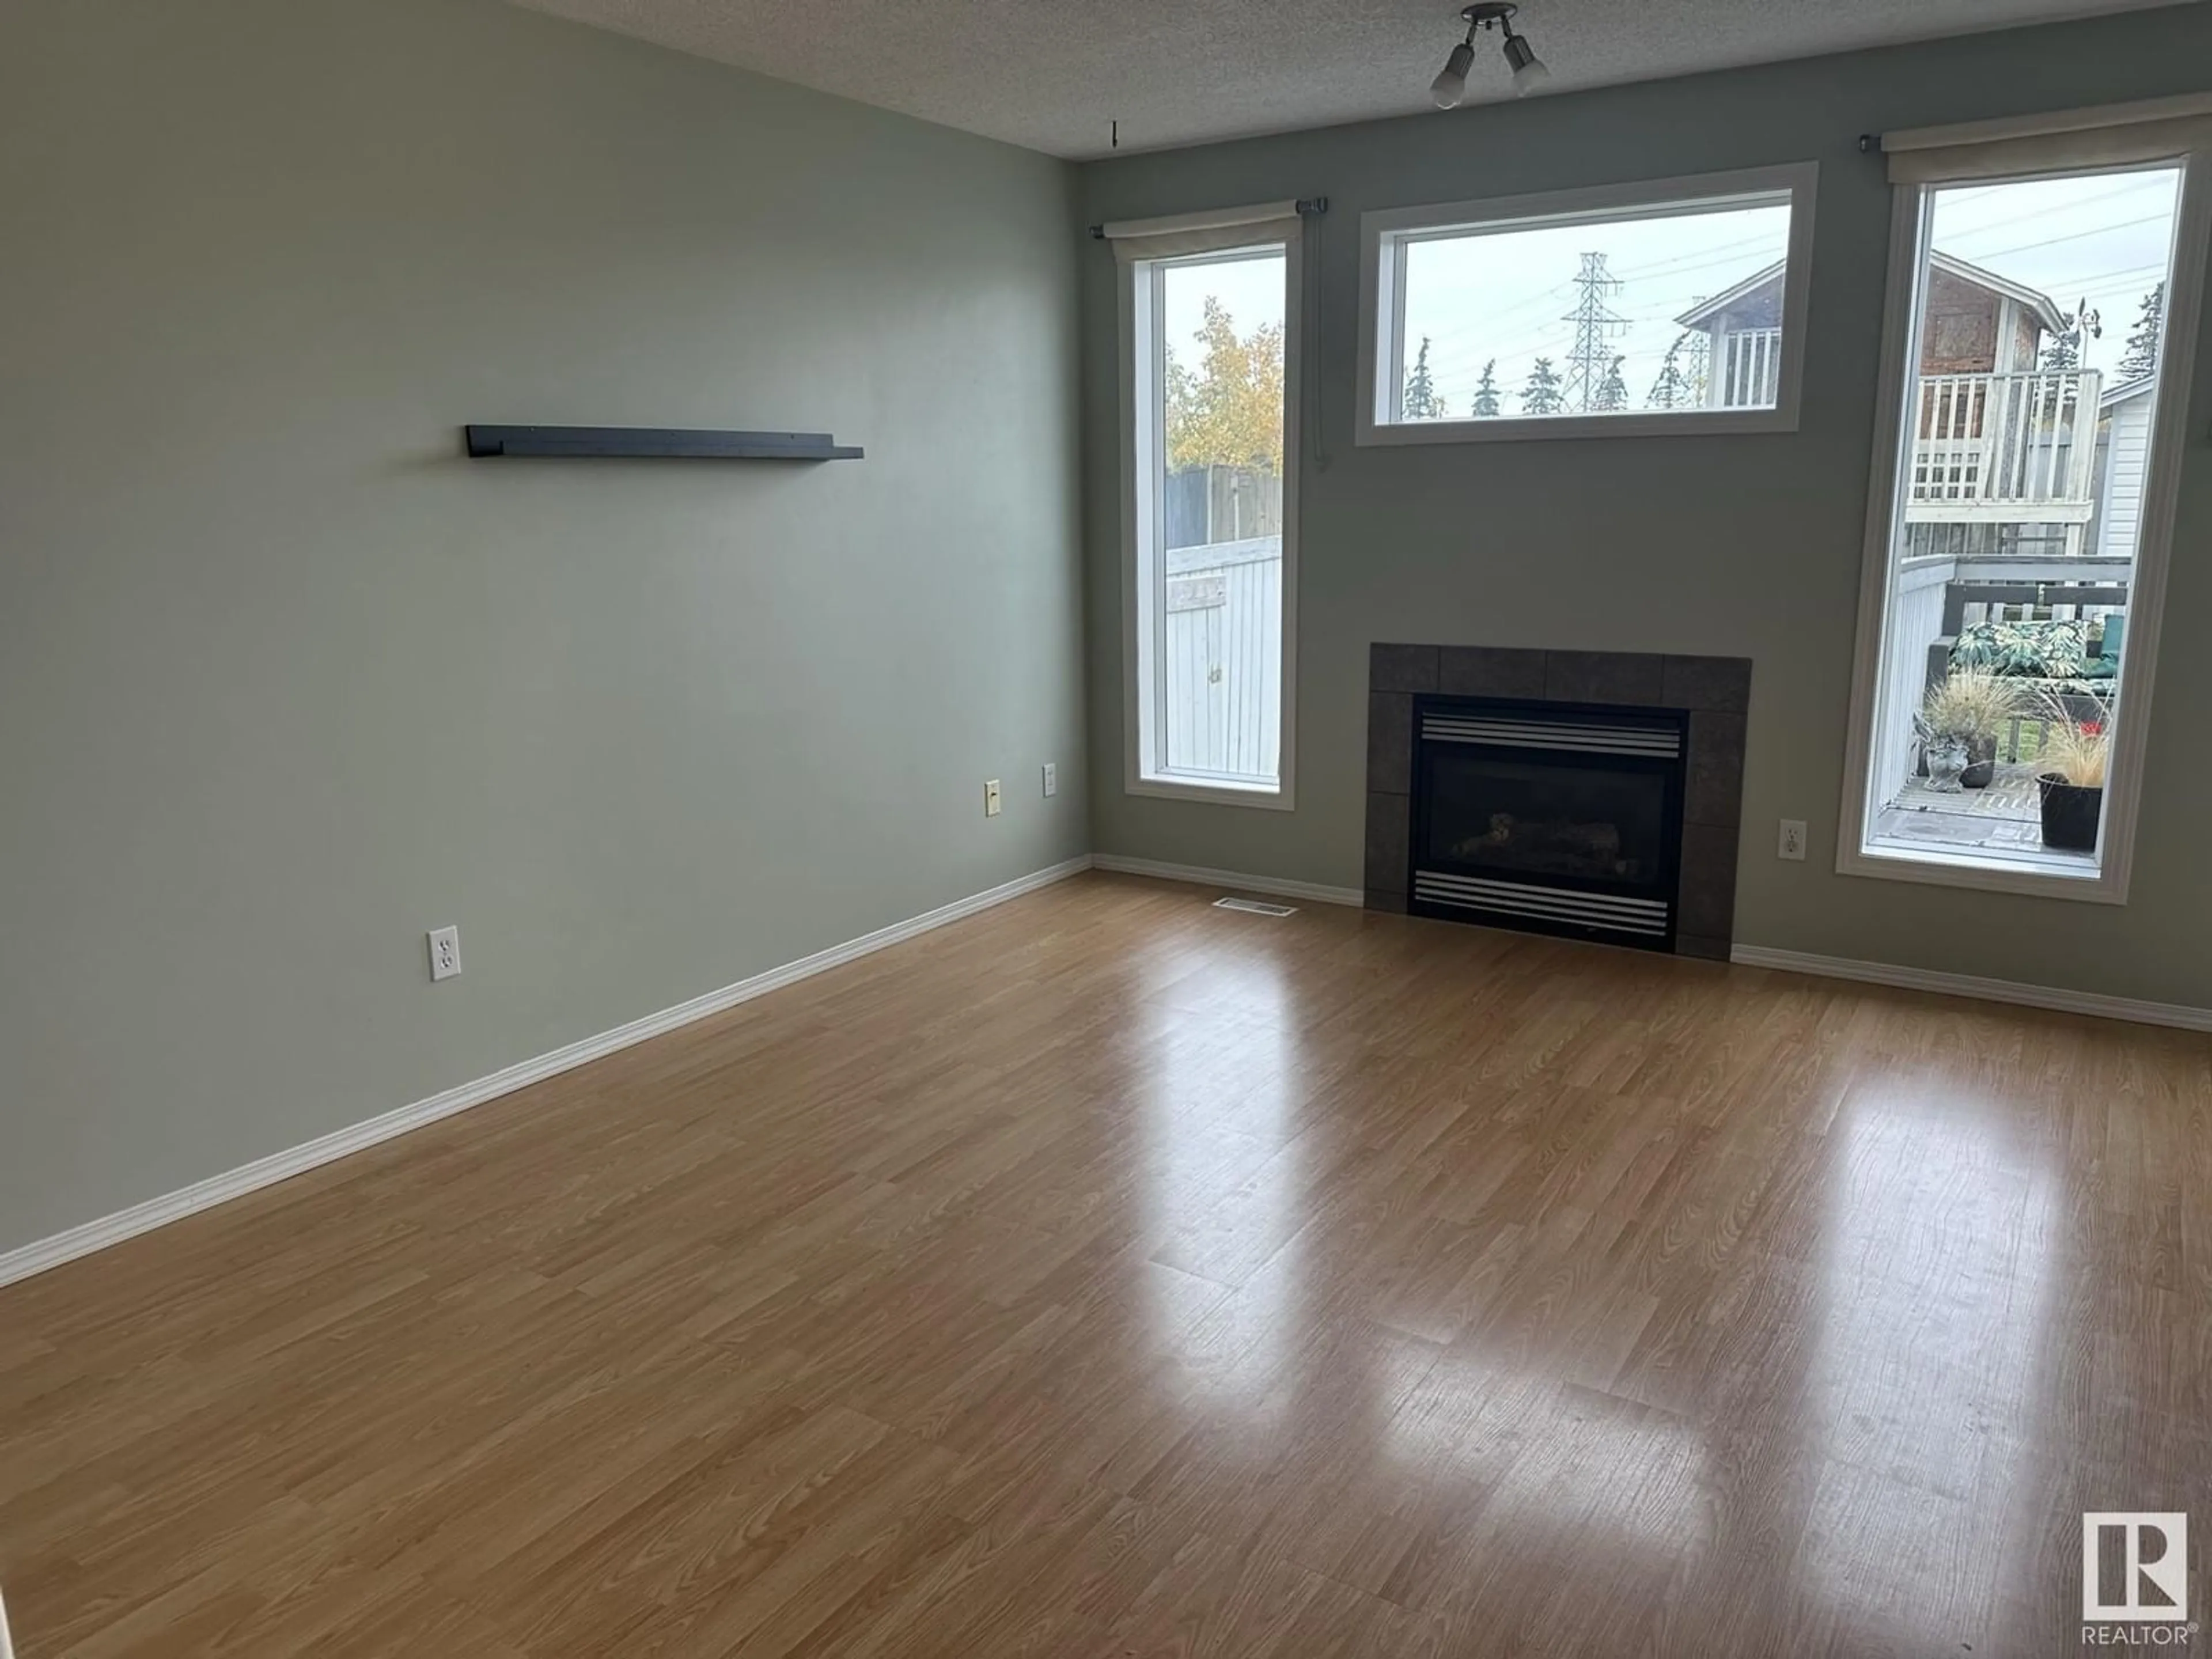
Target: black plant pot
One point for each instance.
(2069, 814)
(1981, 763)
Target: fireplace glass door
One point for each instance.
(1555, 821)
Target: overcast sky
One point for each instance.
(1508, 296)
(2105, 238)
(1251, 288)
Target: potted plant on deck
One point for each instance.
(1961, 720)
(2070, 775)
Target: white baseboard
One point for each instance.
(84, 1240)
(1230, 879)
(1967, 985)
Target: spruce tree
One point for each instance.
(1421, 401)
(2139, 356)
(1485, 390)
(1611, 391)
(1541, 394)
(1672, 390)
(2063, 351)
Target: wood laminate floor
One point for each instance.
(1112, 1275)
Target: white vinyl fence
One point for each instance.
(1224, 658)
(1915, 621)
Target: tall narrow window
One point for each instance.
(1210, 436)
(2017, 557)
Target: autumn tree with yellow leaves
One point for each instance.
(1229, 410)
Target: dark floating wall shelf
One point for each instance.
(656, 442)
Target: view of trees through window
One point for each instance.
(1672, 310)
(1212, 705)
(1225, 393)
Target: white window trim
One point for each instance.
(2107, 884)
(1381, 306)
(1139, 506)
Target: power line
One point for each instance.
(2071, 236)
(1491, 318)
(1595, 323)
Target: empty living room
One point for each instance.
(944, 831)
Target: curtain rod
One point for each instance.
(1304, 205)
(2188, 106)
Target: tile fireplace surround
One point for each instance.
(1716, 691)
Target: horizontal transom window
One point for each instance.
(1662, 307)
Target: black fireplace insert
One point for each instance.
(1552, 818)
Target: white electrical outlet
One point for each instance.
(990, 797)
(445, 952)
(1792, 844)
(1051, 780)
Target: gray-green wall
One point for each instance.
(284, 681)
(1734, 546)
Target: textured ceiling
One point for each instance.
(1052, 74)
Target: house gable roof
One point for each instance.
(2046, 313)
(1704, 310)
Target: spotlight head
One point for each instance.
(1529, 70)
(1450, 84)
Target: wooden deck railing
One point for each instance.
(2004, 448)
(1749, 372)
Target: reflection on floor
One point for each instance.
(1113, 1274)
(2005, 819)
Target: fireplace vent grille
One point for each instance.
(1608, 912)
(1515, 731)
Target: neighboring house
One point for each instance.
(2004, 451)
(2123, 454)
(1979, 323)
(1742, 326)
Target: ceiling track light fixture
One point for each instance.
(1449, 86)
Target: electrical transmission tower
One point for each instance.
(1595, 324)
(1699, 368)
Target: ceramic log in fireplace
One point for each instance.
(1555, 817)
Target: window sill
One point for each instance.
(2041, 874)
(1514, 428)
(1212, 792)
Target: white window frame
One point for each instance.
(1381, 303)
(1142, 525)
(2091, 140)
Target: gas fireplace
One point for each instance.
(1559, 817)
(1594, 794)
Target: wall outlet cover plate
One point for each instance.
(445, 952)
